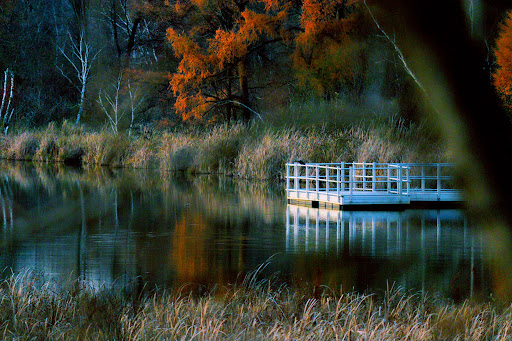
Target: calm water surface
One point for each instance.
(114, 226)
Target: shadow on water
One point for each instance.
(115, 226)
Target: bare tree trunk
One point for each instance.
(6, 73)
(5, 110)
(82, 101)
(112, 111)
(81, 59)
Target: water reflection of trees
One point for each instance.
(108, 226)
(117, 225)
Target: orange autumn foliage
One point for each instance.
(214, 51)
(325, 53)
(197, 83)
(502, 76)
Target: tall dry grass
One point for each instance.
(242, 150)
(33, 308)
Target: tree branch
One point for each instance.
(398, 51)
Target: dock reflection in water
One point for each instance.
(111, 227)
(421, 249)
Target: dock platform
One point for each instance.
(363, 185)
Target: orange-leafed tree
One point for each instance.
(219, 45)
(327, 58)
(502, 76)
(215, 45)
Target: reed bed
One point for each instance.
(243, 150)
(32, 308)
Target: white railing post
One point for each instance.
(296, 179)
(407, 179)
(438, 181)
(364, 176)
(373, 178)
(388, 178)
(342, 176)
(350, 180)
(338, 181)
(317, 182)
(327, 179)
(423, 178)
(307, 180)
(287, 178)
(399, 184)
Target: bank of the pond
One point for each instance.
(243, 150)
(32, 308)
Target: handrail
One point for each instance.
(355, 177)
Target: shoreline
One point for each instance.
(248, 151)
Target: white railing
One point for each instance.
(431, 177)
(385, 178)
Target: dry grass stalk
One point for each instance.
(34, 308)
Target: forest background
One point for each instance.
(127, 62)
(316, 80)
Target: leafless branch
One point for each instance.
(397, 50)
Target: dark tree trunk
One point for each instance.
(244, 90)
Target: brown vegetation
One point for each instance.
(35, 308)
(242, 150)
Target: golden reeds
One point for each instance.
(243, 150)
(34, 308)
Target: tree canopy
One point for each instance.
(502, 76)
(222, 45)
(191, 60)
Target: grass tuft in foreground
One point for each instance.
(33, 308)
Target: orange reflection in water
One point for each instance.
(189, 242)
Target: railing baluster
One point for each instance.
(423, 178)
(389, 177)
(337, 182)
(296, 178)
(438, 181)
(364, 176)
(317, 182)
(399, 184)
(307, 180)
(287, 178)
(327, 180)
(373, 178)
(351, 180)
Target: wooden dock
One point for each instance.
(363, 185)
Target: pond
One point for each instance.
(115, 227)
